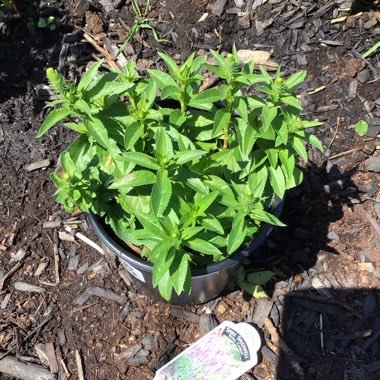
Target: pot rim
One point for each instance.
(127, 255)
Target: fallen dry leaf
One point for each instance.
(258, 57)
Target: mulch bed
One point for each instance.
(67, 311)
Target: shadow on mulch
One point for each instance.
(308, 212)
(364, 6)
(332, 337)
(26, 49)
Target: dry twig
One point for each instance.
(78, 360)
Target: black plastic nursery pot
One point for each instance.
(207, 282)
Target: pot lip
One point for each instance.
(140, 264)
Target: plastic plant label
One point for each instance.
(225, 353)
(133, 271)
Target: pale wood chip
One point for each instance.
(258, 57)
(40, 164)
(24, 287)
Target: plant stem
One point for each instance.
(225, 137)
(182, 99)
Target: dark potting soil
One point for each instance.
(321, 319)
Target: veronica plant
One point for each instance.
(190, 183)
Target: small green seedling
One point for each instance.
(6, 4)
(141, 22)
(252, 281)
(371, 50)
(361, 127)
(47, 22)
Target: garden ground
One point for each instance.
(322, 319)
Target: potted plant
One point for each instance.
(187, 178)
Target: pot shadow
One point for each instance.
(308, 213)
(334, 336)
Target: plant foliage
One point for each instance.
(190, 183)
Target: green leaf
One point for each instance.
(221, 120)
(148, 222)
(242, 109)
(165, 286)
(313, 140)
(266, 217)
(162, 79)
(257, 181)
(171, 65)
(163, 255)
(164, 146)
(170, 92)
(255, 290)
(89, 75)
(134, 204)
(205, 99)
(113, 89)
(269, 113)
(288, 162)
(205, 202)
(299, 147)
(260, 277)
(197, 185)
(249, 140)
(188, 155)
(283, 134)
(213, 224)
(181, 273)
(82, 106)
(189, 232)
(161, 193)
(221, 61)
(99, 132)
(273, 156)
(216, 70)
(361, 127)
(277, 180)
(310, 124)
(133, 132)
(218, 184)
(238, 233)
(51, 119)
(294, 81)
(256, 102)
(203, 246)
(177, 117)
(68, 164)
(77, 127)
(81, 152)
(134, 179)
(150, 93)
(142, 159)
(292, 101)
(223, 90)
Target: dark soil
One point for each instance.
(324, 300)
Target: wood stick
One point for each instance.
(78, 360)
(25, 371)
(63, 364)
(53, 363)
(102, 51)
(56, 257)
(86, 240)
